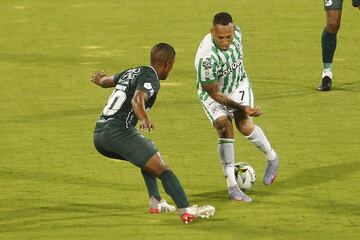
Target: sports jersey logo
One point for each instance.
(207, 63)
(238, 46)
(131, 74)
(148, 86)
(328, 3)
(233, 67)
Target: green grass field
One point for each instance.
(54, 185)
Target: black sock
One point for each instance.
(173, 187)
(151, 184)
(328, 43)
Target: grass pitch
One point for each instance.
(54, 185)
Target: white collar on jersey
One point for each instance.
(155, 72)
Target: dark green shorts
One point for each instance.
(128, 144)
(333, 4)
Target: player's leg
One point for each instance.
(244, 95)
(329, 40)
(156, 203)
(172, 186)
(224, 129)
(221, 121)
(255, 134)
(116, 144)
(141, 152)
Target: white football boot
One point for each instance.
(156, 206)
(190, 213)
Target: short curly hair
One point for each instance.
(222, 18)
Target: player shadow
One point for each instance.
(306, 177)
(218, 195)
(349, 87)
(84, 215)
(61, 214)
(314, 176)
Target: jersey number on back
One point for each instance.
(114, 103)
(118, 97)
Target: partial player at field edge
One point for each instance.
(333, 10)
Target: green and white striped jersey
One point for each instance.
(213, 64)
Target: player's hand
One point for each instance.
(97, 76)
(147, 126)
(254, 112)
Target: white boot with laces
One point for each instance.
(156, 206)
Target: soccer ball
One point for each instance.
(245, 175)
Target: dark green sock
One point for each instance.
(173, 187)
(151, 184)
(356, 3)
(328, 43)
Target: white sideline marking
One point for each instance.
(170, 84)
(92, 47)
(99, 54)
(20, 7)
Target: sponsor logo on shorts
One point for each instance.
(102, 120)
(328, 3)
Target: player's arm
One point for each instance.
(100, 79)
(213, 90)
(138, 104)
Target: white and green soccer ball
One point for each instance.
(245, 175)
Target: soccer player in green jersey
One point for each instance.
(225, 93)
(333, 10)
(116, 137)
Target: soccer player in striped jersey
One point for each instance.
(333, 10)
(225, 94)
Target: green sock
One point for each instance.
(328, 44)
(151, 184)
(173, 187)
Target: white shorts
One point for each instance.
(243, 95)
